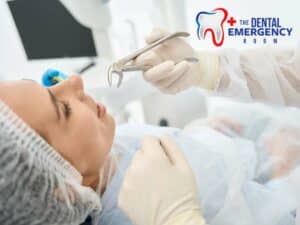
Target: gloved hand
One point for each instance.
(170, 73)
(159, 187)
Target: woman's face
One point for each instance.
(78, 128)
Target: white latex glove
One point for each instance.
(170, 72)
(159, 187)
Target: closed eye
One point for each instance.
(67, 109)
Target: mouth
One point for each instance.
(101, 110)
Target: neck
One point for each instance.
(91, 181)
(105, 174)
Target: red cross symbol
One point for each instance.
(231, 21)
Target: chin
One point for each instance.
(111, 125)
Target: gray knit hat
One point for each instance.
(37, 186)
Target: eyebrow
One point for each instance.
(55, 103)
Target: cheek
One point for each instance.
(95, 139)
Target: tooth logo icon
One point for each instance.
(212, 22)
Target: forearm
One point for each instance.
(263, 74)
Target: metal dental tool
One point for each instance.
(125, 64)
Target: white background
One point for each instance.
(142, 15)
(131, 20)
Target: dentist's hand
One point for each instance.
(170, 72)
(159, 187)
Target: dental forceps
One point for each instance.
(125, 64)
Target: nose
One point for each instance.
(76, 83)
(72, 86)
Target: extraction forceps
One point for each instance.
(126, 64)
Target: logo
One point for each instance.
(221, 26)
(212, 22)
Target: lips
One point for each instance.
(101, 110)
